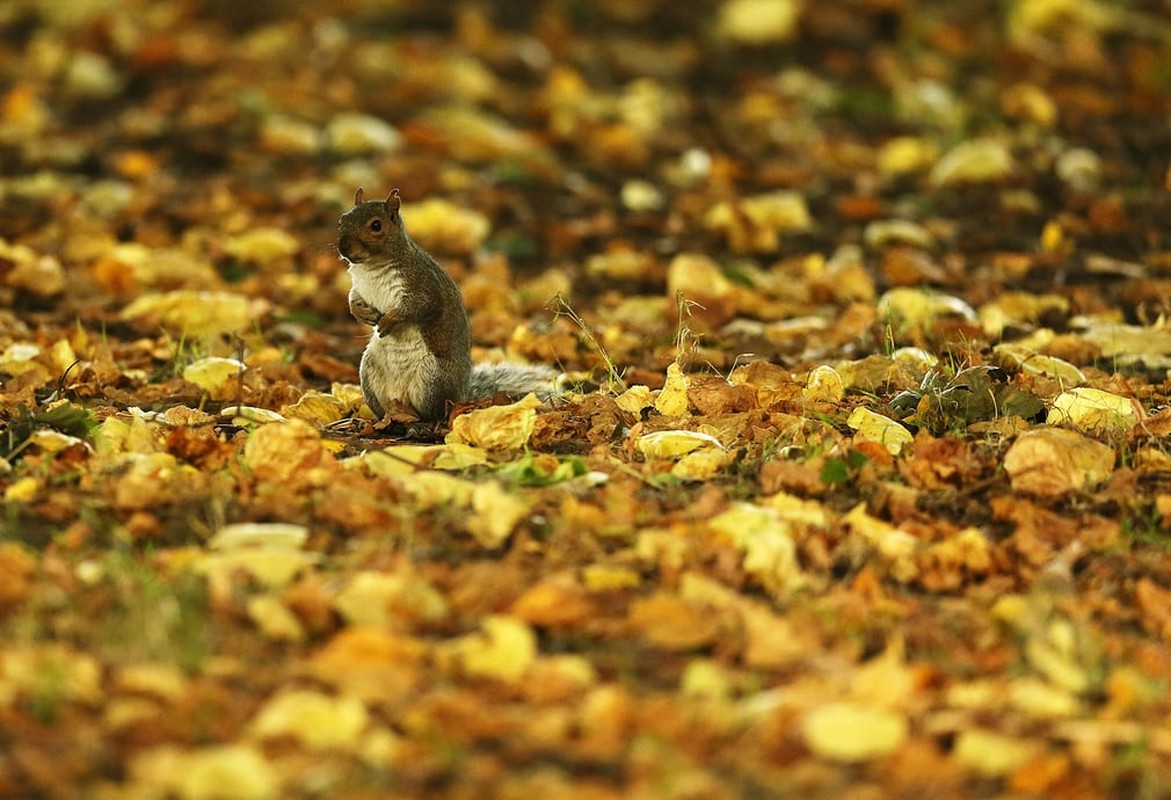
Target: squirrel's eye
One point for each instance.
(376, 225)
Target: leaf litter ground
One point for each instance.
(859, 485)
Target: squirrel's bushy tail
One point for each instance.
(512, 379)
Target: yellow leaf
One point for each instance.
(906, 154)
(219, 377)
(50, 672)
(824, 383)
(1042, 700)
(432, 489)
(702, 465)
(273, 568)
(885, 681)
(993, 754)
(504, 649)
(457, 457)
(1054, 461)
(874, 427)
(263, 245)
(757, 22)
(61, 355)
(605, 577)
(897, 547)
(405, 459)
(1095, 410)
(439, 224)
(290, 453)
(1034, 363)
(498, 427)
(20, 357)
(697, 275)
(191, 313)
(318, 408)
(250, 416)
(126, 436)
(22, 490)
(269, 535)
(705, 678)
(973, 161)
(766, 540)
(672, 399)
(380, 598)
(673, 444)
(164, 681)
(316, 720)
(852, 732)
(496, 514)
(274, 619)
(906, 307)
(796, 509)
(635, 399)
(1052, 654)
(224, 772)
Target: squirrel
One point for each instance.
(420, 351)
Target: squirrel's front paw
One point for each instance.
(363, 311)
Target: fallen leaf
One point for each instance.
(316, 720)
(236, 771)
(1055, 461)
(1095, 411)
(669, 622)
(672, 399)
(873, 427)
(674, 444)
(191, 313)
(853, 732)
(993, 754)
(270, 535)
(766, 539)
(503, 649)
(505, 427)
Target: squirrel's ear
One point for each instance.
(392, 201)
(358, 196)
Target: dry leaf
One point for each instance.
(674, 444)
(191, 313)
(317, 721)
(853, 732)
(766, 540)
(498, 427)
(672, 399)
(270, 535)
(1054, 461)
(290, 453)
(993, 754)
(222, 772)
(504, 649)
(389, 600)
(1095, 411)
(824, 384)
(669, 622)
(873, 427)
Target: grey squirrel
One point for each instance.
(420, 350)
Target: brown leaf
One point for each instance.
(672, 623)
(1155, 604)
(558, 601)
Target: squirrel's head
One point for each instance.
(370, 227)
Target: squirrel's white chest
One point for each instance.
(399, 366)
(381, 288)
